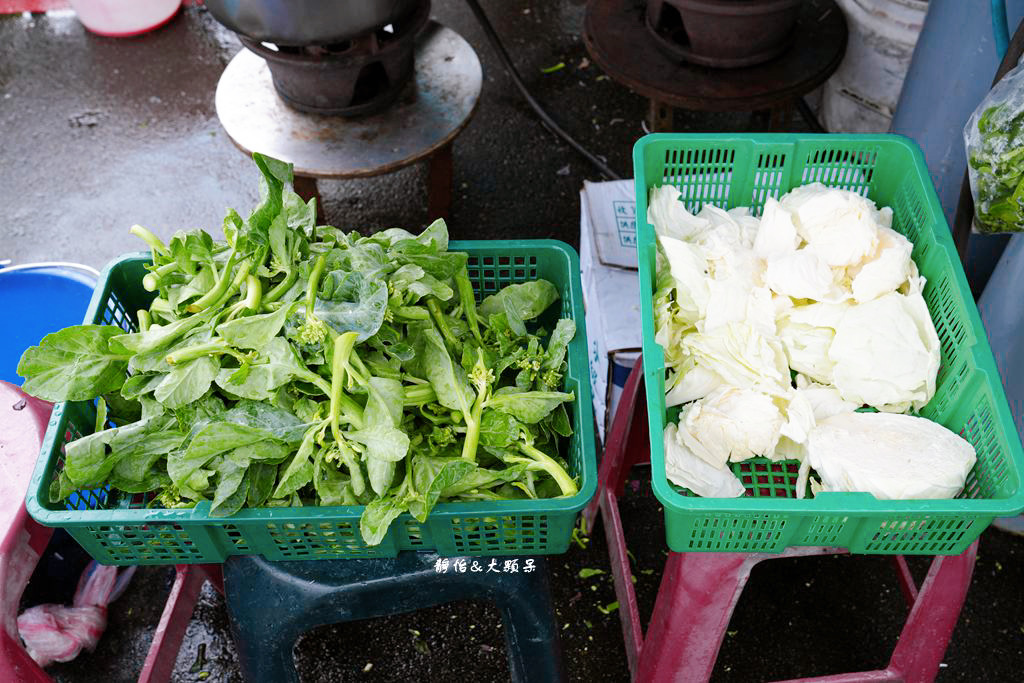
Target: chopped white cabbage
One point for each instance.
(735, 300)
(689, 382)
(806, 333)
(742, 356)
(689, 269)
(781, 303)
(730, 425)
(885, 217)
(727, 246)
(800, 418)
(669, 216)
(685, 469)
(787, 449)
(890, 456)
(841, 226)
(886, 353)
(886, 270)
(748, 223)
(819, 284)
(800, 274)
(776, 235)
(825, 401)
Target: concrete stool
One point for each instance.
(272, 603)
(699, 591)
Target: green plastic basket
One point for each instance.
(744, 170)
(118, 529)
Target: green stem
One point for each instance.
(231, 313)
(152, 280)
(351, 412)
(162, 308)
(479, 495)
(160, 305)
(342, 348)
(210, 348)
(236, 283)
(473, 420)
(144, 319)
(357, 370)
(223, 282)
(566, 483)
(411, 312)
(442, 324)
(313, 378)
(430, 417)
(314, 283)
(468, 300)
(348, 457)
(155, 245)
(482, 379)
(386, 372)
(278, 290)
(253, 292)
(419, 394)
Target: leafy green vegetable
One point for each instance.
(295, 364)
(529, 406)
(186, 382)
(526, 301)
(997, 164)
(74, 364)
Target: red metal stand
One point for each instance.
(23, 422)
(699, 591)
(163, 650)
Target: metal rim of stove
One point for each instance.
(344, 79)
(668, 41)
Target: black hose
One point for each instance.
(546, 119)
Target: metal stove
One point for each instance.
(660, 49)
(724, 34)
(347, 88)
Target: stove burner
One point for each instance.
(357, 77)
(722, 33)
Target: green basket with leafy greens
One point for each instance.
(303, 393)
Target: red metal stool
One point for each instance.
(23, 422)
(699, 591)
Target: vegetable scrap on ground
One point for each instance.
(295, 364)
(802, 336)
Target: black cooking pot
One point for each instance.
(307, 22)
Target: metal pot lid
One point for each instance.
(307, 22)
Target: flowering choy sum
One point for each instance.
(294, 364)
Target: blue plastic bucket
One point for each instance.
(36, 300)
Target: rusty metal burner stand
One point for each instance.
(618, 40)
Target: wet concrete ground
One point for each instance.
(97, 134)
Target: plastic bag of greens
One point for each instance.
(994, 136)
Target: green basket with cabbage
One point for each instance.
(772, 357)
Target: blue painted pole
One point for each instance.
(1000, 30)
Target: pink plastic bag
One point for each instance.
(56, 633)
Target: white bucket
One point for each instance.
(124, 18)
(861, 95)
